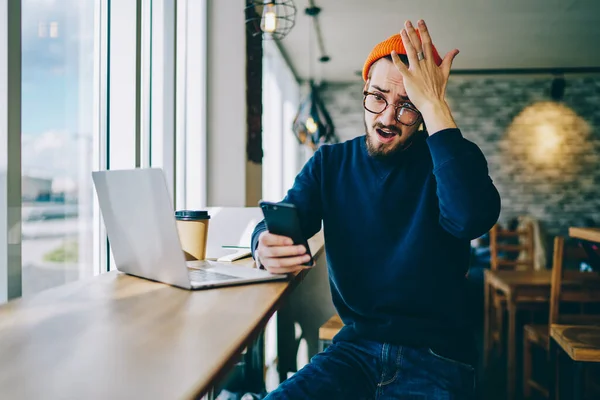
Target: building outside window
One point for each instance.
(59, 58)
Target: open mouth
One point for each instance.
(385, 135)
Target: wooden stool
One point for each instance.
(328, 330)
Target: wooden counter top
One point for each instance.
(115, 336)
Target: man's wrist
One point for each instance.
(437, 117)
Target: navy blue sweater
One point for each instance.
(397, 235)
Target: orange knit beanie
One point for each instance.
(385, 49)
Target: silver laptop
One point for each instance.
(142, 232)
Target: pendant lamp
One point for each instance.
(272, 19)
(313, 125)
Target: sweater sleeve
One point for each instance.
(468, 200)
(305, 194)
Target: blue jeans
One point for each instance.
(370, 370)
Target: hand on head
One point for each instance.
(424, 80)
(279, 254)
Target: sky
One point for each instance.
(57, 85)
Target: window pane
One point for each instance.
(191, 104)
(58, 145)
(281, 148)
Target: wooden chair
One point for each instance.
(582, 288)
(328, 330)
(512, 243)
(505, 247)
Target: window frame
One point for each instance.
(10, 150)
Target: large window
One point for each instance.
(283, 155)
(88, 85)
(59, 57)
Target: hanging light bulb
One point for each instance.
(311, 125)
(269, 18)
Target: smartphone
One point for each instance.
(282, 219)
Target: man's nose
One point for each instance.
(388, 116)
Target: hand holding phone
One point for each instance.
(283, 248)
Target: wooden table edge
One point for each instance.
(317, 245)
(556, 334)
(589, 234)
(495, 281)
(233, 356)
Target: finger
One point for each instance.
(410, 50)
(414, 38)
(447, 62)
(270, 239)
(285, 262)
(283, 251)
(426, 42)
(398, 63)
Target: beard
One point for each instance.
(385, 150)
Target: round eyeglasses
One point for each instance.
(406, 114)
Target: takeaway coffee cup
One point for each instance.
(193, 232)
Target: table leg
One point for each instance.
(254, 364)
(578, 380)
(486, 322)
(554, 376)
(511, 356)
(287, 345)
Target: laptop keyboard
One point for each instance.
(201, 275)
